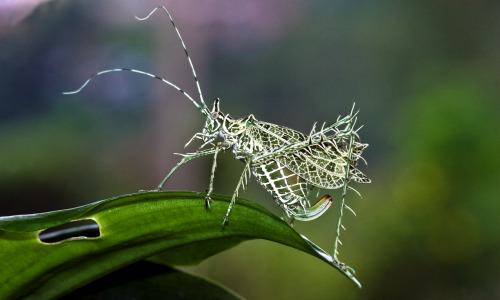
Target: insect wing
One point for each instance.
(316, 166)
(272, 136)
(323, 165)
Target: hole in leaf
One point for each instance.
(87, 228)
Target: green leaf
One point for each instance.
(146, 280)
(133, 227)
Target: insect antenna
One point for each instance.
(203, 111)
(202, 107)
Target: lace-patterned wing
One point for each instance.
(323, 165)
(268, 137)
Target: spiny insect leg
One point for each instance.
(349, 127)
(187, 157)
(233, 199)
(212, 175)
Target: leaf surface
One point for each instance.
(132, 227)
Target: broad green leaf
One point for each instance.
(132, 227)
(146, 280)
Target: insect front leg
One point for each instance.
(217, 149)
(235, 194)
(186, 157)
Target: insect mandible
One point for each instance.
(287, 163)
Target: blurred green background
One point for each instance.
(425, 74)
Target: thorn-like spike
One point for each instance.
(350, 209)
(308, 150)
(313, 130)
(352, 270)
(356, 191)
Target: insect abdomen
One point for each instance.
(287, 188)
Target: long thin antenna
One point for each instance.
(202, 107)
(203, 111)
(183, 46)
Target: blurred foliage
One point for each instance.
(425, 75)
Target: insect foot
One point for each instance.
(207, 201)
(225, 221)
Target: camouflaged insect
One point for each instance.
(287, 163)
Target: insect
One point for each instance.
(287, 163)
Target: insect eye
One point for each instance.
(215, 116)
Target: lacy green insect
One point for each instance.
(287, 163)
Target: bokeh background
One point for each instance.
(425, 74)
